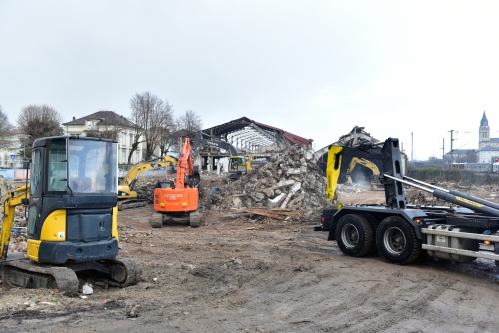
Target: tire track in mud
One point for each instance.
(255, 291)
(273, 286)
(284, 291)
(380, 306)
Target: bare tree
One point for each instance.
(138, 131)
(469, 157)
(168, 142)
(5, 128)
(153, 117)
(38, 121)
(190, 122)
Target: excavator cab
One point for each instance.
(237, 163)
(73, 191)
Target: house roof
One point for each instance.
(104, 118)
(460, 151)
(489, 148)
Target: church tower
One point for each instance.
(484, 132)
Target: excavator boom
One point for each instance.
(12, 199)
(375, 183)
(127, 196)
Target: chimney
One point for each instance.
(74, 118)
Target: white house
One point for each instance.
(108, 121)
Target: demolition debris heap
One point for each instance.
(291, 180)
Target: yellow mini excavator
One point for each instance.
(375, 182)
(71, 202)
(127, 196)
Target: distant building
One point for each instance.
(113, 125)
(10, 157)
(487, 153)
(488, 148)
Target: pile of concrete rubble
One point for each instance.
(290, 181)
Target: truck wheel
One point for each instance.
(374, 222)
(397, 241)
(354, 235)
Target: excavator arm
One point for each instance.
(368, 164)
(12, 199)
(132, 174)
(185, 165)
(201, 142)
(126, 195)
(364, 162)
(125, 189)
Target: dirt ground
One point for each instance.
(249, 274)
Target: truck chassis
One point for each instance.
(403, 233)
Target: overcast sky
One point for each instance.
(312, 68)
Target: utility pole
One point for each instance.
(451, 150)
(412, 148)
(443, 153)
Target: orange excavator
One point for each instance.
(178, 201)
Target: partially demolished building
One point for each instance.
(249, 137)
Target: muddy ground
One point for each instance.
(248, 274)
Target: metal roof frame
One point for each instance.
(252, 136)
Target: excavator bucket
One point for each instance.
(333, 170)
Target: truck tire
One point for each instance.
(397, 241)
(374, 222)
(354, 235)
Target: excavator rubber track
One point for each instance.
(195, 219)
(131, 203)
(124, 272)
(25, 273)
(156, 220)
